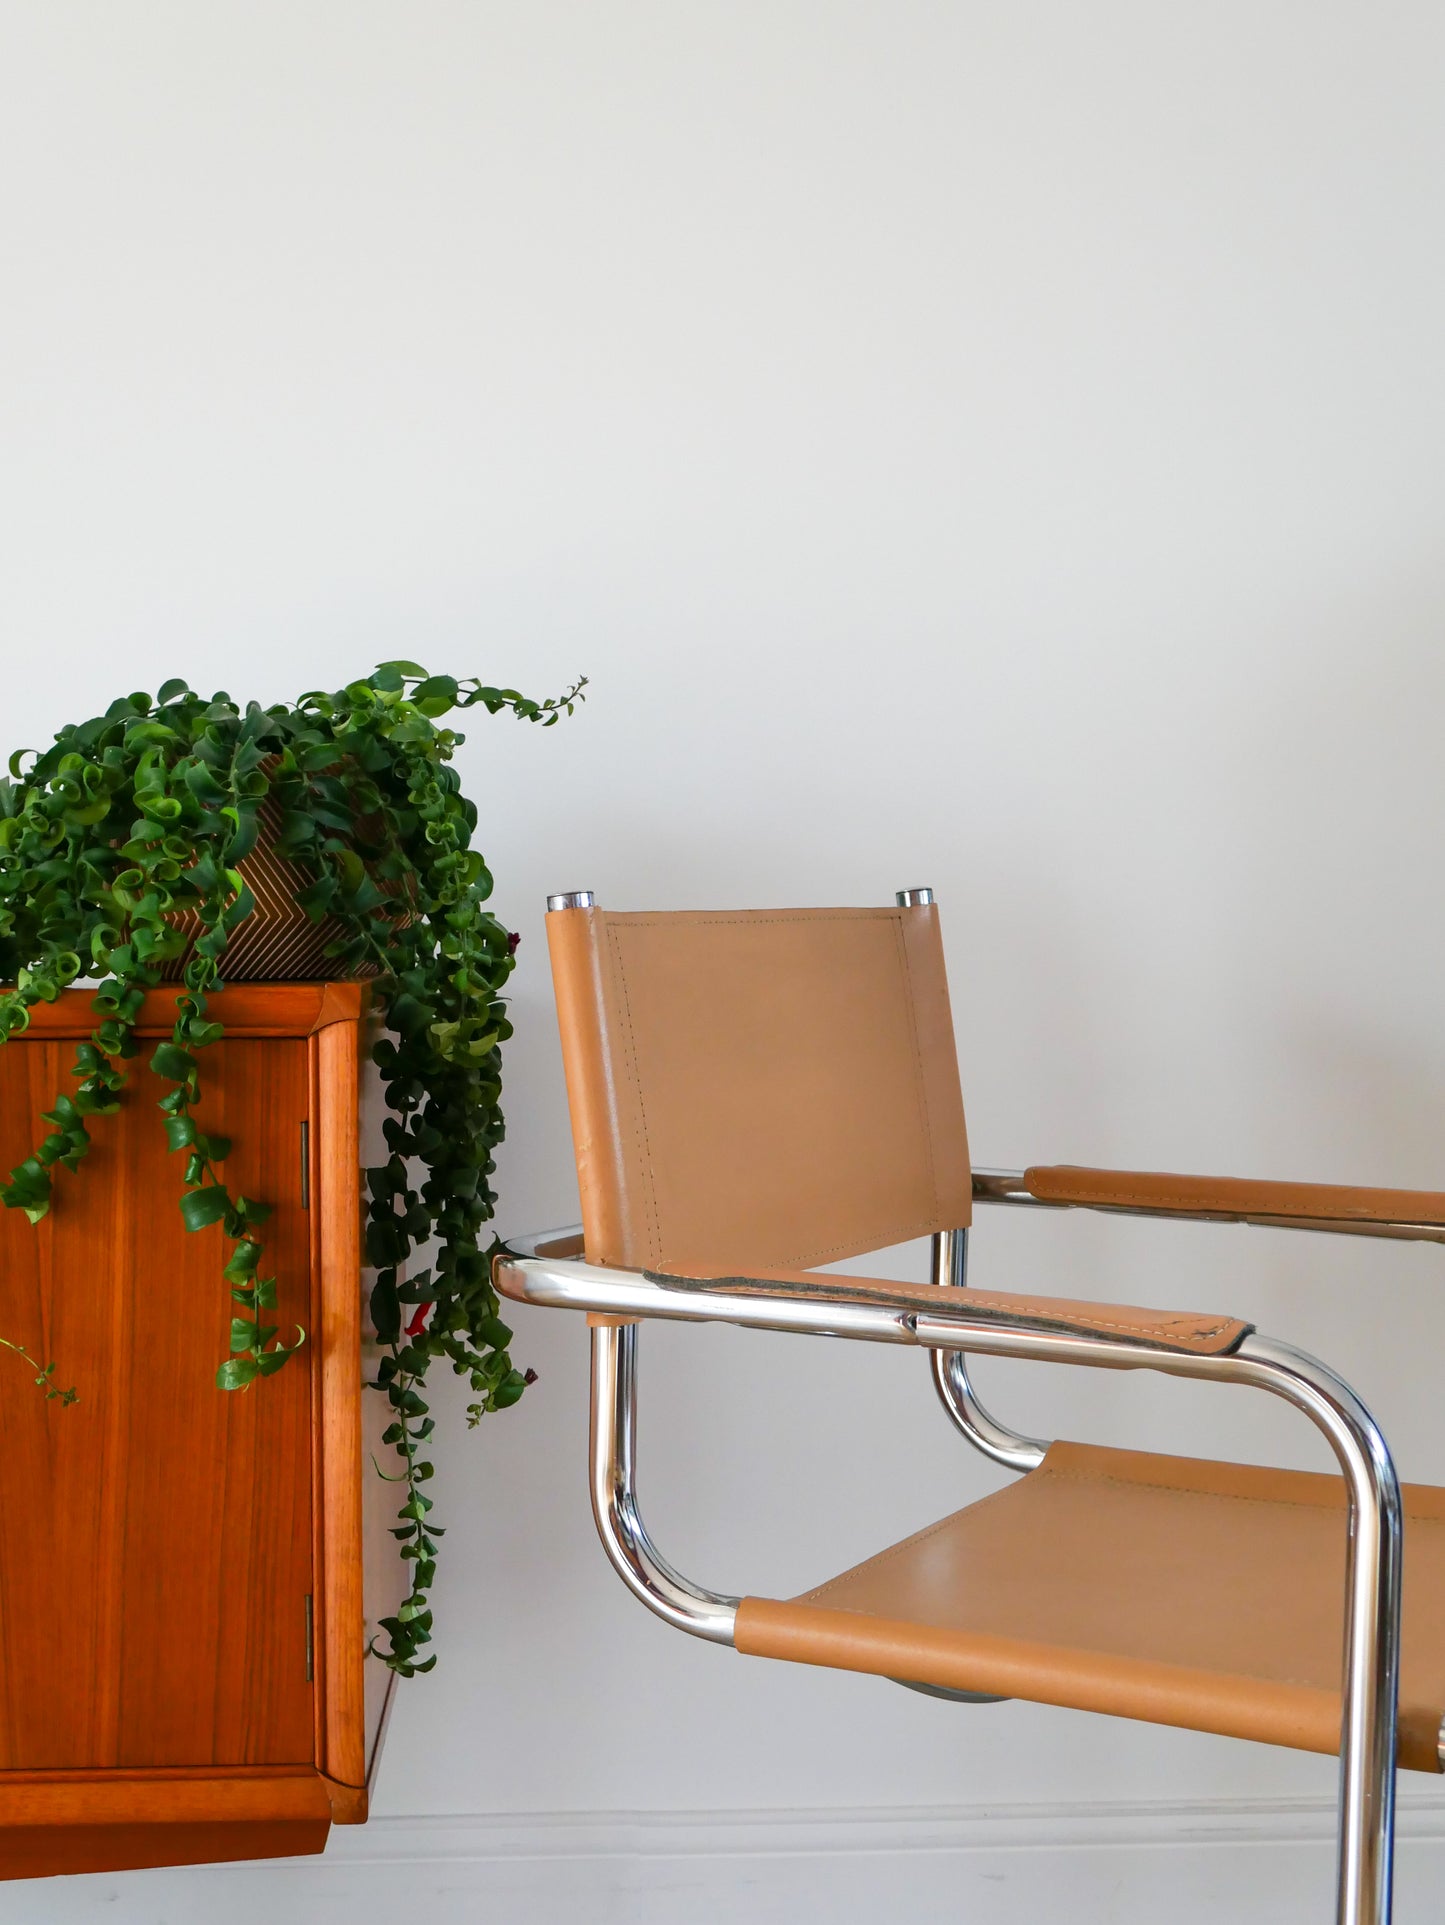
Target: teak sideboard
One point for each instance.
(182, 1620)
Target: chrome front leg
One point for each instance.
(647, 1575)
(1372, 1623)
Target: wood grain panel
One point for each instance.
(60, 1524)
(385, 1580)
(155, 1538)
(120, 1820)
(336, 1189)
(154, 1797)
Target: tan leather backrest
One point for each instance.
(773, 1087)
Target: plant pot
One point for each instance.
(278, 941)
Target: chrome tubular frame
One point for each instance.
(706, 1614)
(1372, 1618)
(951, 1379)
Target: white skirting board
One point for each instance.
(1105, 1864)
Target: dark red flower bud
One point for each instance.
(512, 940)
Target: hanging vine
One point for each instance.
(120, 852)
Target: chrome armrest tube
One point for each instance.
(567, 1283)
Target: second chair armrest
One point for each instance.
(1229, 1196)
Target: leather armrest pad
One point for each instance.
(1232, 1195)
(1182, 1330)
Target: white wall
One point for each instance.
(992, 447)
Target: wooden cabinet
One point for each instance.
(182, 1623)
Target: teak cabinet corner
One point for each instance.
(182, 1621)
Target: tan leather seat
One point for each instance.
(1164, 1588)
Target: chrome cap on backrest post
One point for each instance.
(914, 898)
(572, 899)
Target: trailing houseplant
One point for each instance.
(121, 854)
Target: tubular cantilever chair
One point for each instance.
(756, 1093)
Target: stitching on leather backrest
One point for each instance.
(889, 1234)
(916, 1226)
(654, 1232)
(920, 1079)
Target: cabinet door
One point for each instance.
(155, 1536)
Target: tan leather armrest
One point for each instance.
(1185, 1330)
(1231, 1195)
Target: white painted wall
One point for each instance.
(995, 447)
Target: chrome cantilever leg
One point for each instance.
(1372, 1620)
(706, 1614)
(1371, 1657)
(950, 1375)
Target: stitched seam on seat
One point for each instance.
(1232, 1497)
(1191, 1490)
(635, 1079)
